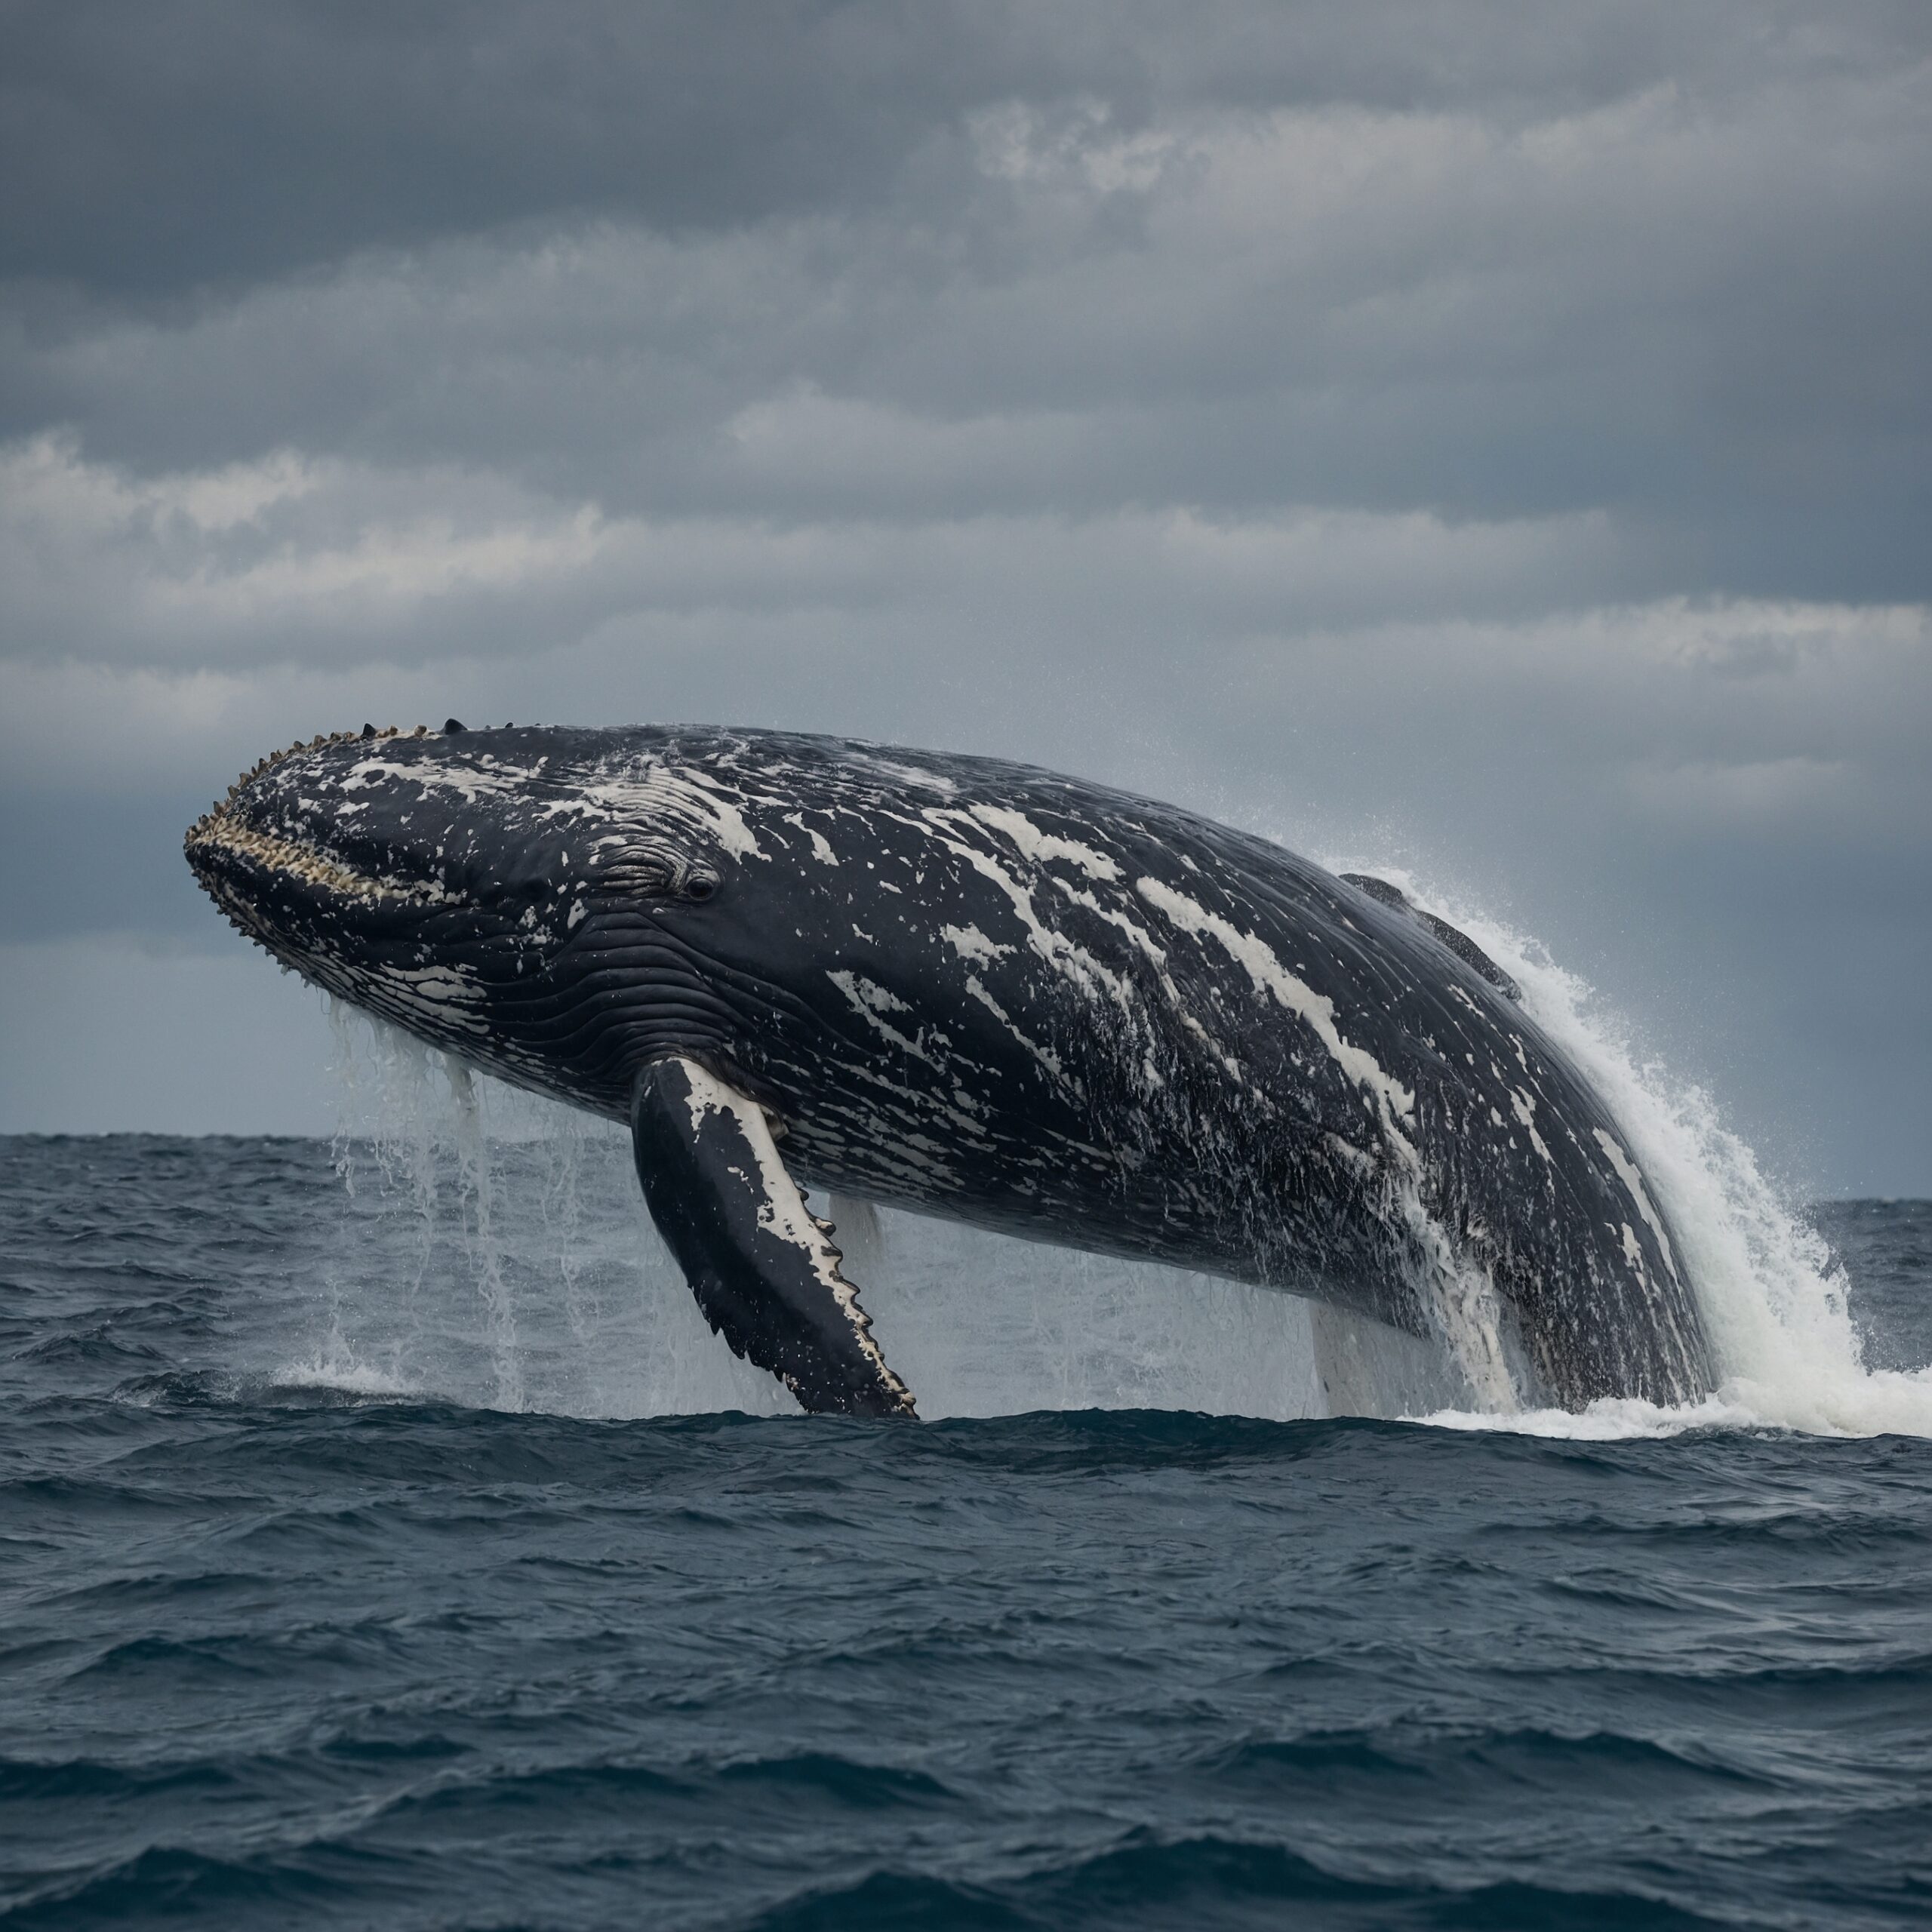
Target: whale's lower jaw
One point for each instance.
(219, 846)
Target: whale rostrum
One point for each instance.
(974, 989)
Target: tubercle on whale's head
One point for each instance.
(241, 841)
(476, 888)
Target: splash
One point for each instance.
(412, 1130)
(476, 1199)
(493, 1250)
(1775, 1302)
(337, 1371)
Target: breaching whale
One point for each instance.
(972, 989)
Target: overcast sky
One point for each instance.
(1491, 439)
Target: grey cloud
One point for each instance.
(151, 147)
(1494, 440)
(154, 147)
(333, 563)
(1704, 317)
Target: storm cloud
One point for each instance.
(1495, 441)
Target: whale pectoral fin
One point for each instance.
(760, 1265)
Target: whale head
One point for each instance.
(532, 899)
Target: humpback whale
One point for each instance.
(973, 989)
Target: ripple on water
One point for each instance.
(302, 1629)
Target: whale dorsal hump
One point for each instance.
(1379, 889)
(1458, 942)
(762, 1267)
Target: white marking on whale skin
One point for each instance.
(913, 775)
(782, 1208)
(1074, 963)
(1229, 1065)
(436, 983)
(1524, 1108)
(872, 1002)
(1632, 1252)
(1632, 1179)
(1268, 975)
(469, 782)
(891, 1138)
(821, 846)
(653, 790)
(1045, 1055)
(971, 944)
(867, 995)
(1040, 846)
(433, 996)
(1351, 1156)
(1155, 954)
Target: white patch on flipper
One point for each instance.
(783, 1210)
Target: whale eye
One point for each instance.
(642, 872)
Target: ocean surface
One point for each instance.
(385, 1542)
(354, 1574)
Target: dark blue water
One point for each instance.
(276, 1653)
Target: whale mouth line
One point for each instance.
(212, 841)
